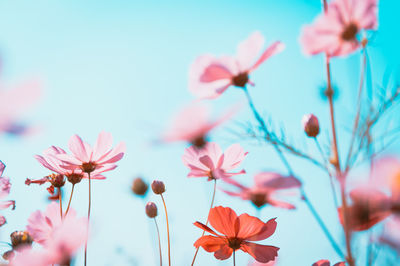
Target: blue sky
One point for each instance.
(121, 66)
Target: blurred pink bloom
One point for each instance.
(5, 187)
(327, 263)
(14, 102)
(193, 123)
(102, 157)
(210, 76)
(42, 225)
(211, 162)
(60, 238)
(369, 207)
(266, 189)
(256, 263)
(335, 32)
(391, 234)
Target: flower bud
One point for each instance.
(139, 187)
(310, 125)
(151, 209)
(8, 255)
(158, 187)
(19, 238)
(57, 180)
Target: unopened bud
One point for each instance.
(310, 125)
(19, 238)
(139, 187)
(8, 255)
(151, 209)
(158, 187)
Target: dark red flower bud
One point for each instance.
(310, 125)
(158, 187)
(151, 209)
(139, 187)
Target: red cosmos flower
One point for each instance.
(335, 32)
(209, 76)
(211, 162)
(101, 157)
(327, 263)
(369, 207)
(237, 232)
(266, 189)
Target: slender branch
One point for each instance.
(291, 172)
(166, 215)
(358, 114)
(89, 207)
(335, 200)
(60, 200)
(70, 198)
(234, 258)
(159, 241)
(208, 216)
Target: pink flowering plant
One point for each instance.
(256, 200)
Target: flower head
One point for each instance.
(101, 158)
(266, 189)
(5, 187)
(369, 207)
(209, 76)
(14, 102)
(211, 162)
(335, 32)
(193, 123)
(327, 263)
(237, 232)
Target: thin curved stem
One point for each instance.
(169, 245)
(60, 200)
(339, 175)
(89, 207)
(291, 172)
(159, 241)
(335, 200)
(208, 215)
(70, 198)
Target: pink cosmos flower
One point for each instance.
(60, 238)
(101, 157)
(210, 76)
(335, 32)
(327, 263)
(14, 102)
(391, 234)
(193, 123)
(369, 207)
(42, 225)
(211, 162)
(5, 187)
(266, 189)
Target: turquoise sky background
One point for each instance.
(121, 66)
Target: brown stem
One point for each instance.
(234, 259)
(90, 204)
(159, 241)
(212, 204)
(339, 175)
(70, 198)
(60, 200)
(169, 246)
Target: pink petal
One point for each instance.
(78, 148)
(260, 253)
(103, 145)
(2, 167)
(249, 49)
(275, 48)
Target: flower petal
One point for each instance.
(260, 253)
